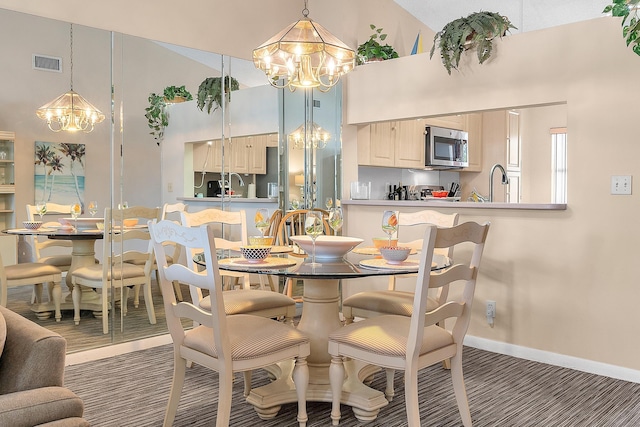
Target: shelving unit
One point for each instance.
(7, 196)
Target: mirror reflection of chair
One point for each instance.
(124, 251)
(172, 211)
(367, 304)
(223, 343)
(413, 343)
(32, 273)
(51, 251)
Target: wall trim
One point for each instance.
(556, 359)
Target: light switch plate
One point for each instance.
(621, 184)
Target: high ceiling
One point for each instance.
(527, 15)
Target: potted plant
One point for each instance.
(372, 50)
(630, 30)
(156, 113)
(475, 31)
(210, 92)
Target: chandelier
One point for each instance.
(313, 137)
(70, 111)
(304, 55)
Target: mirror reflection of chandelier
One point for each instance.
(304, 55)
(311, 137)
(70, 111)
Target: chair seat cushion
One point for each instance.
(387, 336)
(250, 337)
(387, 302)
(56, 260)
(30, 269)
(144, 261)
(244, 301)
(94, 272)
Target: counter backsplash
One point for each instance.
(380, 178)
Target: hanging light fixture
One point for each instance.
(70, 111)
(304, 55)
(312, 137)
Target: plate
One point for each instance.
(370, 250)
(327, 247)
(268, 262)
(380, 263)
(83, 223)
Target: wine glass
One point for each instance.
(75, 212)
(93, 208)
(313, 228)
(328, 202)
(335, 219)
(123, 205)
(262, 220)
(390, 223)
(295, 203)
(41, 209)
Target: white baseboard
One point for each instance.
(116, 349)
(555, 359)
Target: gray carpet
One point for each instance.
(132, 390)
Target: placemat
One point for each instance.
(380, 263)
(371, 250)
(268, 262)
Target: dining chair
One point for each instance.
(221, 342)
(415, 342)
(292, 224)
(124, 251)
(51, 251)
(172, 211)
(32, 273)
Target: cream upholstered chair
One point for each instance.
(123, 251)
(223, 343)
(413, 343)
(32, 273)
(237, 301)
(51, 251)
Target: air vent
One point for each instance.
(47, 63)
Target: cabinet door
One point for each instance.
(409, 144)
(216, 156)
(257, 154)
(474, 128)
(239, 154)
(382, 144)
(513, 141)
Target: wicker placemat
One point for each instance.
(380, 263)
(269, 262)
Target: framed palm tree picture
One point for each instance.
(59, 172)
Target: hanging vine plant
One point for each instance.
(210, 92)
(630, 27)
(157, 114)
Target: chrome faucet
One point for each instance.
(239, 178)
(505, 179)
(227, 183)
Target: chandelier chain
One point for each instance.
(305, 11)
(71, 56)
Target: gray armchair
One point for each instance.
(31, 376)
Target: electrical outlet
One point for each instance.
(621, 184)
(170, 187)
(491, 309)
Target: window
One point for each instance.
(559, 165)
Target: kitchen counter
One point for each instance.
(227, 200)
(457, 205)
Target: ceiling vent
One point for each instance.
(47, 63)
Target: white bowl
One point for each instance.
(327, 247)
(255, 253)
(394, 254)
(32, 225)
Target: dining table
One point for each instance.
(320, 317)
(82, 254)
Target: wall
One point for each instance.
(561, 279)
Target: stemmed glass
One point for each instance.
(328, 202)
(335, 219)
(93, 208)
(41, 209)
(313, 228)
(262, 220)
(390, 223)
(75, 212)
(295, 204)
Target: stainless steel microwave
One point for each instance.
(446, 148)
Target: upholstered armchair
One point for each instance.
(31, 376)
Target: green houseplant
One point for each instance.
(372, 50)
(475, 31)
(210, 92)
(630, 28)
(156, 113)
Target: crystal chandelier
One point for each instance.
(304, 55)
(70, 111)
(315, 137)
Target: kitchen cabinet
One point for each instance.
(473, 125)
(207, 159)
(398, 143)
(249, 154)
(450, 122)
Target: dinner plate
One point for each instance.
(381, 263)
(375, 251)
(268, 262)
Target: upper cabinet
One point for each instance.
(473, 125)
(7, 183)
(397, 144)
(243, 154)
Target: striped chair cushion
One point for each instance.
(250, 337)
(388, 302)
(29, 269)
(56, 260)
(249, 300)
(387, 336)
(94, 272)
